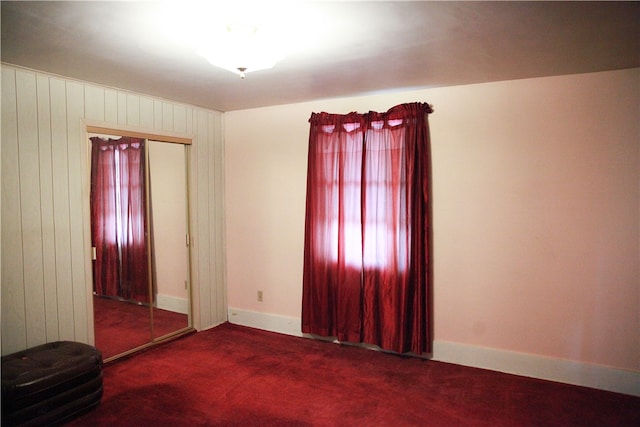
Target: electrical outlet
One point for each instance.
(260, 296)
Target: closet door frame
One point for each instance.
(96, 127)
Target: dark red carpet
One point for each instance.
(237, 376)
(121, 326)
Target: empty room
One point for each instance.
(321, 213)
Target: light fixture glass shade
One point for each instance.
(238, 34)
(241, 48)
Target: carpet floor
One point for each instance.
(120, 326)
(238, 376)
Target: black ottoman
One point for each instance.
(50, 384)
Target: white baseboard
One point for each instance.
(535, 366)
(171, 303)
(268, 322)
(524, 364)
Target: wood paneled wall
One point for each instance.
(45, 250)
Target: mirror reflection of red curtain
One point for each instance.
(366, 264)
(118, 218)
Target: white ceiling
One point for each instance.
(358, 48)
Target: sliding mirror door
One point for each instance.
(139, 228)
(169, 238)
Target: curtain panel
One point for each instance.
(367, 229)
(118, 218)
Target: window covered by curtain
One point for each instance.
(366, 262)
(118, 218)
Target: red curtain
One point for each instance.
(367, 240)
(118, 218)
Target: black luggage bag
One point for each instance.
(50, 384)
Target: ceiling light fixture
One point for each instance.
(241, 47)
(241, 36)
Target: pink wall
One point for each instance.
(536, 212)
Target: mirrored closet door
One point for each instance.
(140, 242)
